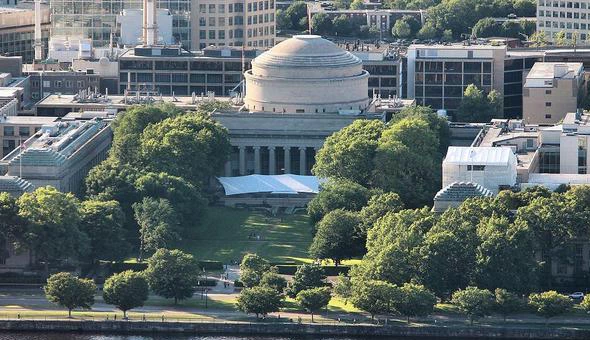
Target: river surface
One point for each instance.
(85, 336)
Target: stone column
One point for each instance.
(257, 160)
(227, 168)
(287, 159)
(272, 162)
(302, 165)
(242, 160)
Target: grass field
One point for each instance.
(224, 233)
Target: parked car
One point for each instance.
(576, 296)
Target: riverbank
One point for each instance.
(291, 329)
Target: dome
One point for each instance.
(306, 74)
(307, 51)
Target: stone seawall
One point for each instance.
(428, 332)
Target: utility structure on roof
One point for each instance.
(150, 22)
(38, 41)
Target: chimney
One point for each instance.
(150, 26)
(38, 41)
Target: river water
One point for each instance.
(85, 336)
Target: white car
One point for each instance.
(577, 296)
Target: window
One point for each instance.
(547, 104)
(548, 116)
(202, 22)
(202, 34)
(24, 131)
(476, 167)
(547, 91)
(9, 131)
(530, 143)
(212, 34)
(212, 8)
(211, 21)
(203, 8)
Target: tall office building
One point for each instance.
(554, 16)
(96, 19)
(248, 23)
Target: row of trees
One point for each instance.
(170, 274)
(489, 27)
(509, 242)
(266, 289)
(157, 170)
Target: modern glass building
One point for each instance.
(96, 19)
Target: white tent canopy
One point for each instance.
(275, 184)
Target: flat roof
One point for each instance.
(465, 155)
(29, 120)
(546, 70)
(119, 101)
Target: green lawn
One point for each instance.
(223, 236)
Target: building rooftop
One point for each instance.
(460, 191)
(14, 185)
(544, 70)
(459, 155)
(27, 120)
(53, 144)
(100, 102)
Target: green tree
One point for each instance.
(342, 25)
(337, 237)
(560, 39)
(487, 27)
(393, 247)
(378, 206)
(447, 35)
(585, 304)
(401, 29)
(274, 281)
(70, 292)
(414, 300)
(191, 146)
(506, 302)
(408, 160)
(282, 20)
(259, 300)
(342, 287)
(538, 39)
(12, 225)
(53, 225)
(549, 304)
(337, 194)
(512, 29)
(505, 256)
(307, 276)
(158, 223)
(129, 125)
(474, 302)
(428, 31)
(374, 297)
(126, 290)
(525, 8)
(296, 12)
(321, 23)
(172, 274)
(207, 107)
(438, 124)
(252, 269)
(103, 222)
(357, 4)
(186, 198)
(349, 153)
(313, 300)
(446, 261)
(342, 4)
(477, 107)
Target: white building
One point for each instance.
(569, 16)
(493, 168)
(131, 23)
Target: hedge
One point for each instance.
(211, 265)
(328, 270)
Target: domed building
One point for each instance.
(307, 74)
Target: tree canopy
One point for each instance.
(126, 290)
(172, 274)
(70, 292)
